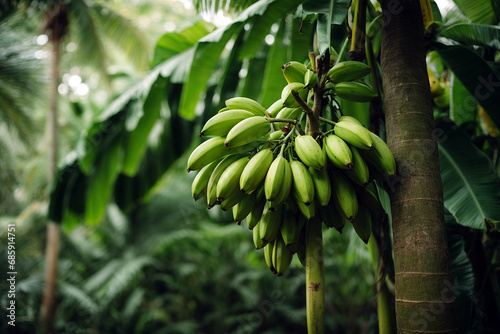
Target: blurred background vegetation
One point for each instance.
(169, 267)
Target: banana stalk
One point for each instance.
(357, 51)
(315, 278)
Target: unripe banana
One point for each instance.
(344, 196)
(275, 177)
(287, 96)
(243, 208)
(297, 240)
(381, 157)
(436, 88)
(289, 227)
(276, 135)
(308, 211)
(270, 224)
(331, 217)
(247, 131)
(369, 200)
(354, 134)
(363, 224)
(354, 91)
(255, 171)
(254, 216)
(286, 186)
(359, 173)
(207, 152)
(291, 113)
(302, 182)
(214, 179)
(322, 186)
(257, 240)
(200, 182)
(282, 257)
(246, 104)
(268, 256)
(231, 201)
(350, 119)
(309, 151)
(221, 124)
(294, 71)
(348, 71)
(310, 79)
(229, 181)
(338, 151)
(275, 108)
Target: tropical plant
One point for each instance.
(210, 73)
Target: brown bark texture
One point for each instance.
(424, 287)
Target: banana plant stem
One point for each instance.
(315, 278)
(326, 120)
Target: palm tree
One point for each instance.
(86, 21)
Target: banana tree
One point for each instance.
(216, 65)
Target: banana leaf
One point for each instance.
(462, 104)
(473, 34)
(477, 11)
(471, 187)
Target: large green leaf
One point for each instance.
(473, 34)
(209, 48)
(337, 9)
(462, 104)
(274, 81)
(137, 139)
(173, 43)
(478, 11)
(471, 188)
(475, 74)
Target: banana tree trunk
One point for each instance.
(424, 290)
(48, 307)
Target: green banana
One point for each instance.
(254, 216)
(290, 113)
(214, 179)
(268, 256)
(286, 186)
(256, 170)
(297, 240)
(338, 151)
(289, 227)
(275, 177)
(220, 124)
(276, 135)
(322, 186)
(348, 71)
(270, 223)
(309, 151)
(287, 97)
(229, 181)
(369, 200)
(208, 151)
(354, 134)
(247, 131)
(381, 157)
(354, 91)
(243, 208)
(331, 217)
(302, 182)
(274, 108)
(350, 119)
(231, 201)
(363, 224)
(344, 196)
(359, 173)
(200, 182)
(308, 211)
(282, 257)
(310, 79)
(257, 240)
(246, 104)
(294, 71)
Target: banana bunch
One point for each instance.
(260, 164)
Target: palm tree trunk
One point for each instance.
(48, 307)
(424, 290)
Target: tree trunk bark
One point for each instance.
(424, 289)
(48, 307)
